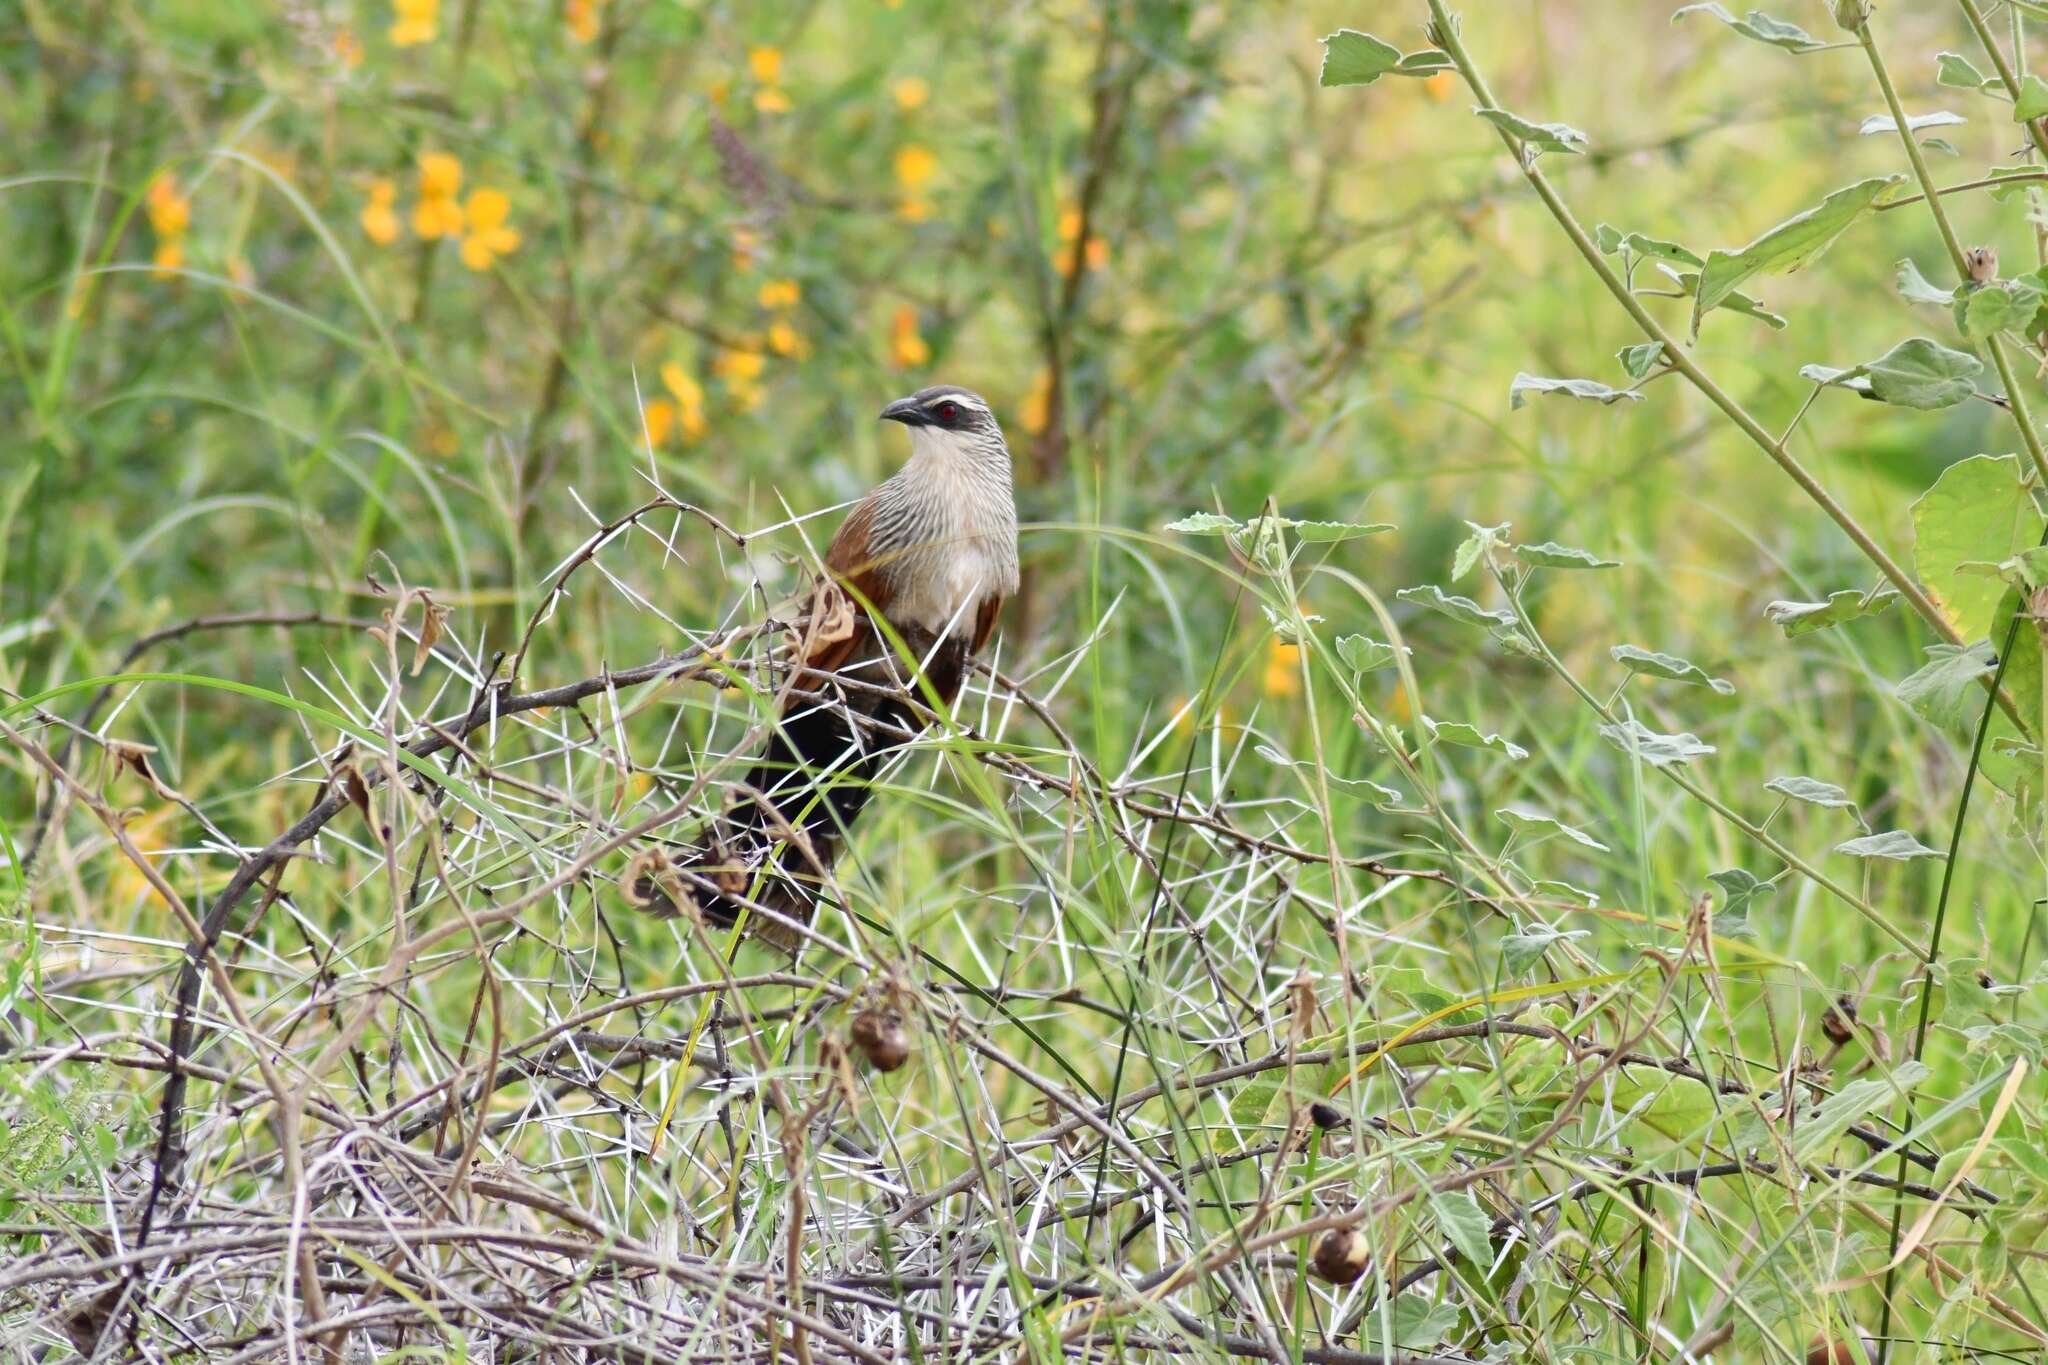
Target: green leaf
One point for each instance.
(1803, 618)
(1954, 69)
(1656, 749)
(1457, 608)
(1689, 281)
(1945, 690)
(1363, 654)
(1664, 1110)
(1915, 288)
(1566, 891)
(1463, 1224)
(1612, 239)
(1203, 524)
(1982, 310)
(1466, 736)
(1520, 951)
(1977, 510)
(1638, 361)
(1476, 547)
(1542, 137)
(1319, 532)
(1534, 822)
(1796, 242)
(1552, 555)
(1419, 1323)
(1823, 1127)
(1916, 373)
(1812, 792)
(1657, 665)
(1885, 123)
(1739, 891)
(2033, 99)
(1574, 388)
(1895, 844)
(1354, 58)
(1759, 26)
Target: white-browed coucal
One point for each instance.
(930, 554)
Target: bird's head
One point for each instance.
(946, 419)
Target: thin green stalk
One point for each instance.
(1755, 832)
(1445, 34)
(1948, 873)
(1994, 344)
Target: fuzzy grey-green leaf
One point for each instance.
(1660, 665)
(1535, 822)
(1552, 555)
(1543, 137)
(1799, 240)
(1895, 844)
(1811, 791)
(1803, 618)
(1758, 26)
(1471, 737)
(1354, 58)
(1657, 750)
(1457, 608)
(1574, 388)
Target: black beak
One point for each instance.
(906, 411)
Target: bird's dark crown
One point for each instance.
(947, 406)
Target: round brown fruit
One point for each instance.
(880, 1037)
(1341, 1255)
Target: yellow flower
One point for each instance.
(488, 237)
(347, 50)
(770, 100)
(784, 339)
(170, 213)
(915, 166)
(1035, 414)
(1094, 254)
(738, 367)
(911, 92)
(417, 21)
(380, 223)
(1283, 669)
(583, 25)
(170, 255)
(907, 350)
(766, 63)
(440, 175)
(781, 293)
(659, 418)
(689, 399)
(914, 210)
(677, 381)
(437, 217)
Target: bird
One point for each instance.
(912, 586)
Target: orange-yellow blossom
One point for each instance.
(415, 22)
(488, 237)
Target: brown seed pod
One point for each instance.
(1325, 1116)
(1839, 1022)
(1341, 1255)
(880, 1037)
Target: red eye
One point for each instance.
(948, 411)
